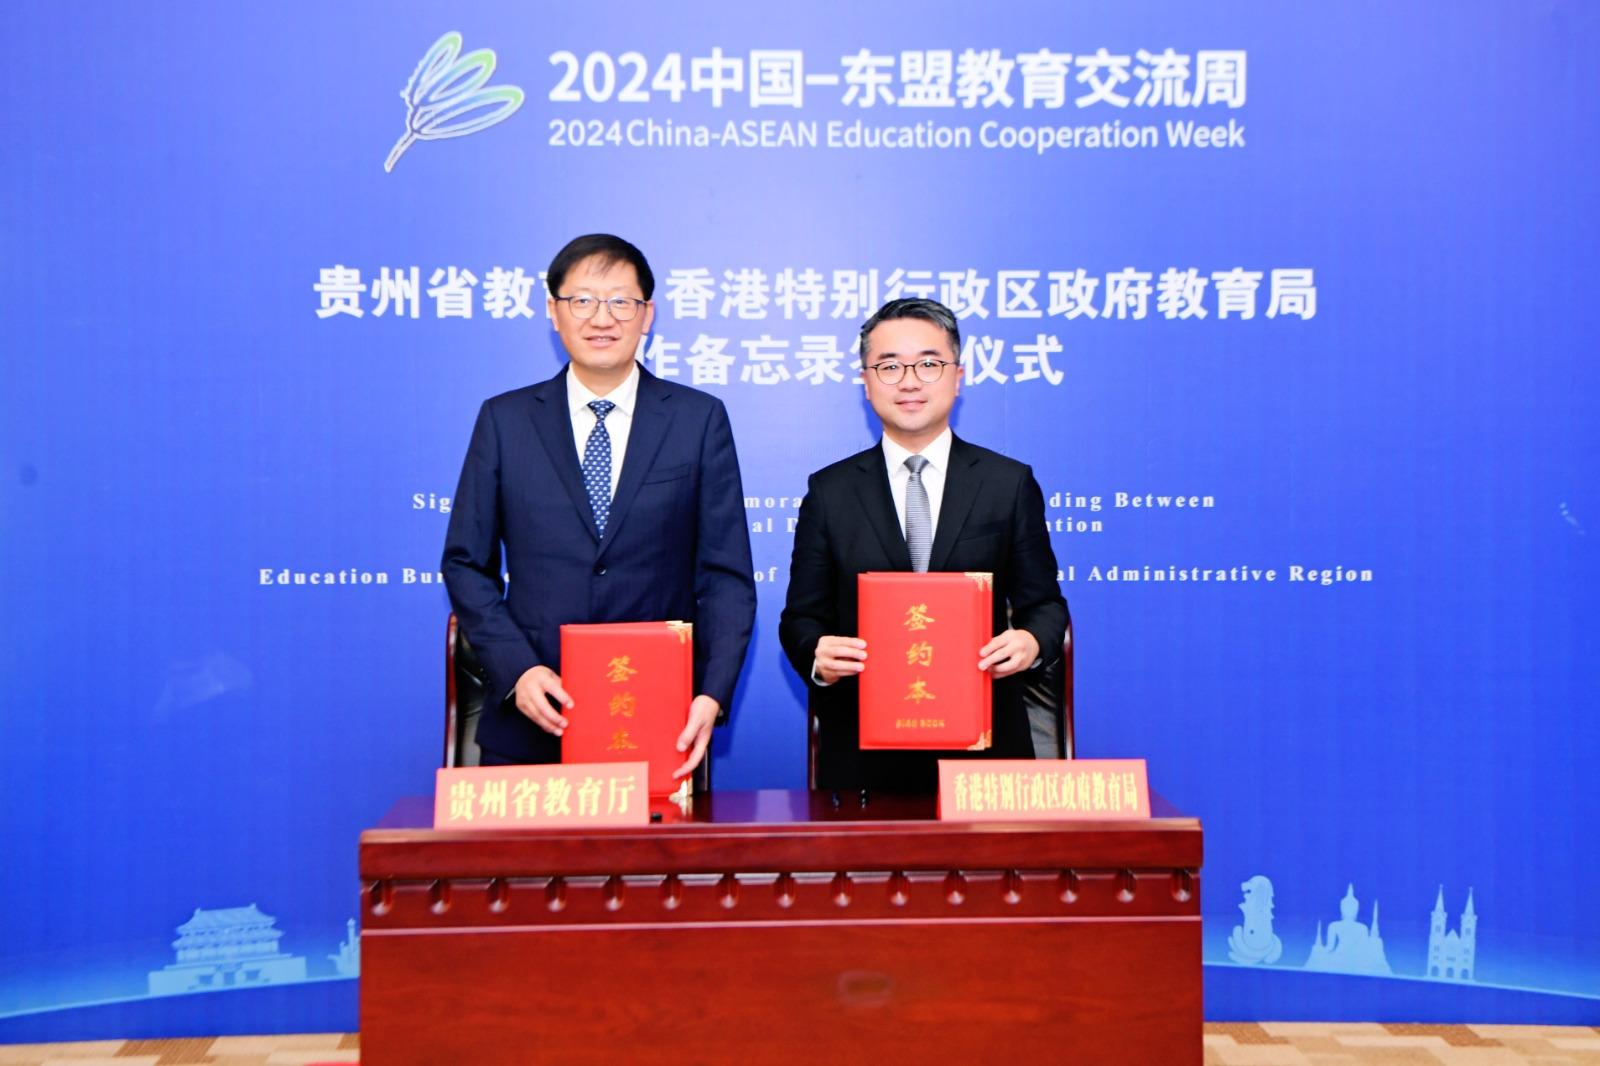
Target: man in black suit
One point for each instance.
(610, 496)
(919, 499)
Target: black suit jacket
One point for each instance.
(675, 546)
(991, 518)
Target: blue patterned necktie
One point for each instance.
(597, 465)
(919, 516)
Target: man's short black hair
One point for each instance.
(609, 249)
(927, 310)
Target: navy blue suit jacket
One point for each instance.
(676, 545)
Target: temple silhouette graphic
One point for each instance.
(1350, 947)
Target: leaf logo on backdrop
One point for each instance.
(446, 98)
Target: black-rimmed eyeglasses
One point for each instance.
(892, 372)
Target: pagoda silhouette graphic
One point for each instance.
(235, 947)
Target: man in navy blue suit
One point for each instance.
(607, 495)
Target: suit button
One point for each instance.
(600, 571)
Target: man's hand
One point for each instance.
(535, 689)
(696, 736)
(840, 657)
(1011, 652)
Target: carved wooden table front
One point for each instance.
(775, 927)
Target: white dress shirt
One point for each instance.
(894, 457)
(619, 420)
(938, 456)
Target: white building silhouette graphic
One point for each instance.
(235, 947)
(348, 962)
(1452, 955)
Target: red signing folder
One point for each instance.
(922, 687)
(631, 684)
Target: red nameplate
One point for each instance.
(630, 683)
(517, 797)
(922, 687)
(1043, 790)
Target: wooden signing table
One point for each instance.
(776, 927)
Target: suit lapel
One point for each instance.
(960, 490)
(553, 422)
(651, 417)
(872, 487)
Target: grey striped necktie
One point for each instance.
(919, 516)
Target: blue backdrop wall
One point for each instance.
(1317, 273)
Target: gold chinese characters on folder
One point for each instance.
(630, 685)
(922, 687)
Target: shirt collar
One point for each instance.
(937, 453)
(624, 395)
